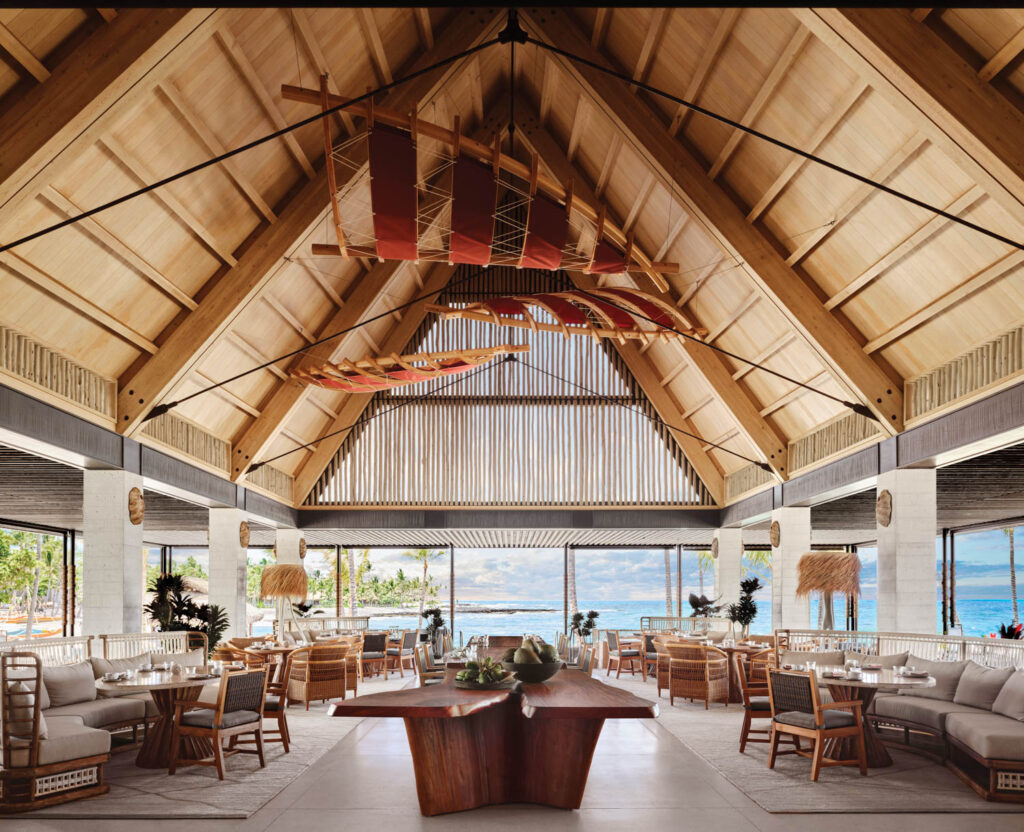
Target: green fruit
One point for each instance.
(548, 653)
(524, 655)
(472, 666)
(509, 655)
(530, 644)
(462, 675)
(482, 679)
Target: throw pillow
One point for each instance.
(820, 657)
(887, 662)
(1010, 701)
(22, 703)
(101, 666)
(979, 686)
(69, 684)
(946, 675)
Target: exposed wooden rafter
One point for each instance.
(751, 245)
(307, 36)
(22, 55)
(1006, 53)
(707, 60)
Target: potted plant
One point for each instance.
(435, 629)
(580, 627)
(702, 607)
(1011, 631)
(173, 610)
(744, 611)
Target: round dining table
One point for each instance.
(863, 690)
(276, 655)
(166, 688)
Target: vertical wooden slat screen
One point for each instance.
(510, 436)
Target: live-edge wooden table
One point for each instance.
(533, 744)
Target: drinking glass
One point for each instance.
(898, 669)
(810, 665)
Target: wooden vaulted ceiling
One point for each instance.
(821, 278)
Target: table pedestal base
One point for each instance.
(845, 748)
(500, 756)
(156, 749)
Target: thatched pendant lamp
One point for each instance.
(287, 582)
(828, 572)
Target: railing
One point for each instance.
(54, 650)
(127, 645)
(319, 623)
(990, 652)
(666, 623)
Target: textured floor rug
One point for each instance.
(195, 791)
(912, 784)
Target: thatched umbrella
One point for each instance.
(828, 572)
(287, 582)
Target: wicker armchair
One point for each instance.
(797, 712)
(238, 710)
(317, 673)
(661, 648)
(698, 672)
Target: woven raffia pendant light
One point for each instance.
(827, 573)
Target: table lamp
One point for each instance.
(828, 572)
(286, 582)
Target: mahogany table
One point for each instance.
(864, 690)
(165, 688)
(532, 744)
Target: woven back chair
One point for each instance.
(375, 646)
(617, 655)
(756, 703)
(563, 643)
(353, 664)
(698, 672)
(426, 674)
(797, 712)
(759, 665)
(587, 662)
(649, 656)
(237, 711)
(402, 652)
(661, 643)
(317, 673)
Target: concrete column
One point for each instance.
(728, 565)
(794, 541)
(113, 568)
(227, 568)
(906, 553)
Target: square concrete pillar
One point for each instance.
(227, 568)
(112, 560)
(794, 528)
(906, 553)
(728, 565)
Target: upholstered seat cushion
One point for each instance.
(760, 703)
(394, 651)
(102, 712)
(651, 655)
(991, 736)
(979, 686)
(67, 684)
(929, 712)
(272, 703)
(68, 739)
(821, 658)
(1010, 701)
(203, 718)
(830, 719)
(375, 654)
(150, 705)
(946, 674)
(623, 654)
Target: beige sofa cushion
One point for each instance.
(102, 712)
(146, 700)
(101, 666)
(23, 705)
(887, 662)
(1010, 701)
(946, 675)
(991, 736)
(69, 683)
(929, 712)
(193, 658)
(822, 658)
(68, 740)
(979, 686)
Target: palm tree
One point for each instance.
(1013, 575)
(351, 582)
(424, 556)
(34, 596)
(704, 562)
(760, 562)
(668, 585)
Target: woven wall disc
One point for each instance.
(775, 534)
(243, 534)
(883, 508)
(136, 506)
(714, 548)
(302, 548)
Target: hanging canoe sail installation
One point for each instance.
(601, 313)
(556, 219)
(372, 374)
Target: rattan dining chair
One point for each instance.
(797, 711)
(618, 656)
(317, 672)
(403, 652)
(756, 704)
(238, 710)
(698, 672)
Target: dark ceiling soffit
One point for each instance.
(76, 441)
(509, 519)
(981, 427)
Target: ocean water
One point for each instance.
(979, 617)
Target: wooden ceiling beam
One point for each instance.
(683, 172)
(708, 364)
(310, 42)
(288, 316)
(549, 87)
(655, 32)
(1006, 53)
(259, 90)
(354, 405)
(580, 123)
(927, 81)
(254, 354)
(794, 394)
(778, 74)
(708, 57)
(48, 127)
(374, 45)
(612, 157)
(601, 20)
(265, 256)
(776, 346)
(423, 26)
(673, 235)
(22, 55)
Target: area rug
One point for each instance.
(912, 784)
(195, 791)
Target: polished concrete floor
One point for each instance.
(642, 778)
